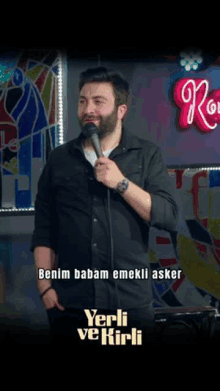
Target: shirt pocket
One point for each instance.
(70, 187)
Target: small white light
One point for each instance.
(189, 58)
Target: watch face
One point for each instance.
(122, 186)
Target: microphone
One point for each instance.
(91, 131)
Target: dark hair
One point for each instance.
(102, 74)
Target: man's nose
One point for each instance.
(89, 108)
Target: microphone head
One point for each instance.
(90, 129)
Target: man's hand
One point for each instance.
(107, 172)
(50, 300)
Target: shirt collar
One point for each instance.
(128, 141)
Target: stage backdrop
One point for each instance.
(191, 156)
(28, 122)
(195, 248)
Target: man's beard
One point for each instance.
(106, 126)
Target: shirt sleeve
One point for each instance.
(45, 225)
(164, 210)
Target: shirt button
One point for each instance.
(95, 220)
(94, 245)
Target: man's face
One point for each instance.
(97, 103)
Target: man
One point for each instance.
(72, 218)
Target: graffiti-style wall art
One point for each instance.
(197, 250)
(30, 85)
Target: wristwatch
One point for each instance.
(122, 186)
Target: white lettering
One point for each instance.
(90, 317)
(82, 333)
(190, 116)
(109, 335)
(93, 332)
(109, 338)
(53, 274)
(138, 274)
(211, 107)
(90, 274)
(197, 97)
(166, 274)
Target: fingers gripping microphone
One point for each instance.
(91, 131)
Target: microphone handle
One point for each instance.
(96, 145)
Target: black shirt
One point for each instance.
(71, 217)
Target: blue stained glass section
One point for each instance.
(18, 77)
(163, 286)
(198, 232)
(6, 172)
(214, 178)
(41, 120)
(25, 157)
(20, 106)
(55, 69)
(32, 64)
(27, 119)
(23, 197)
(37, 140)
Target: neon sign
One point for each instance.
(196, 105)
